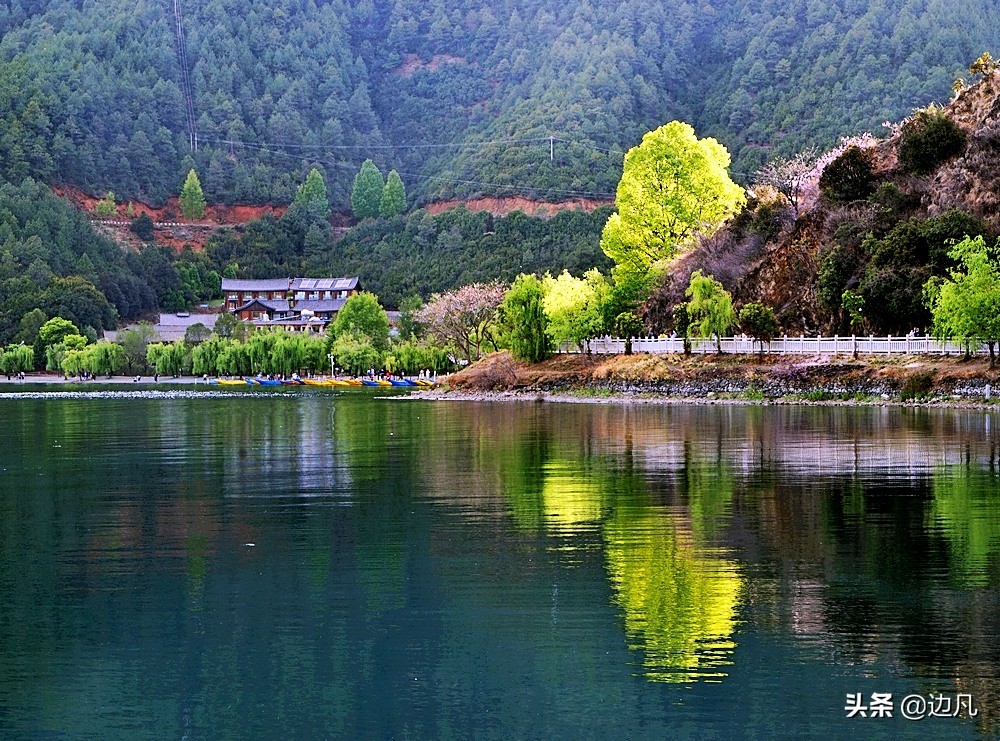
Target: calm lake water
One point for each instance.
(315, 565)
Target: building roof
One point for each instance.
(267, 284)
(324, 284)
(294, 284)
(319, 306)
(260, 304)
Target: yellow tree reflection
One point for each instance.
(679, 601)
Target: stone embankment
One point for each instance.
(822, 379)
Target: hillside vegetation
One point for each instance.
(106, 97)
(878, 220)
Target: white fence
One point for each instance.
(781, 346)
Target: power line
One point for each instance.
(440, 179)
(455, 145)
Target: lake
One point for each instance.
(322, 565)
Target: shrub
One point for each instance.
(848, 178)
(927, 140)
(917, 384)
(142, 227)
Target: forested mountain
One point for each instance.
(108, 96)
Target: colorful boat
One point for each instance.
(316, 382)
(425, 383)
(292, 382)
(395, 382)
(367, 382)
(339, 383)
(267, 382)
(231, 381)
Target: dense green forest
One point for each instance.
(107, 97)
(52, 263)
(419, 253)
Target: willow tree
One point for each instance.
(525, 319)
(674, 188)
(710, 307)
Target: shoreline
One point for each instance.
(581, 396)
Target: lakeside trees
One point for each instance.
(966, 304)
(673, 188)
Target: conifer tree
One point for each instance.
(312, 194)
(366, 195)
(393, 196)
(192, 200)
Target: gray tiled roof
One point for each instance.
(267, 284)
(297, 284)
(324, 284)
(320, 306)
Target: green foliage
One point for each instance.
(106, 206)
(849, 177)
(629, 326)
(134, 343)
(366, 194)
(836, 268)
(393, 201)
(197, 333)
(108, 112)
(682, 325)
(854, 305)
(964, 305)
(409, 327)
(710, 307)
(56, 330)
(192, 199)
(413, 356)
(984, 65)
(169, 358)
(362, 316)
(44, 244)
(526, 321)
(917, 385)
(142, 227)
(674, 187)
(356, 354)
(903, 260)
(17, 359)
(575, 307)
(927, 139)
(312, 196)
(759, 322)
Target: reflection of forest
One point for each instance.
(871, 534)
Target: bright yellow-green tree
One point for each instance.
(674, 187)
(710, 307)
(966, 306)
(192, 199)
(574, 306)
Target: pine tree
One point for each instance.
(192, 200)
(366, 195)
(393, 197)
(312, 196)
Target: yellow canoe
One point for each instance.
(231, 382)
(314, 382)
(339, 383)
